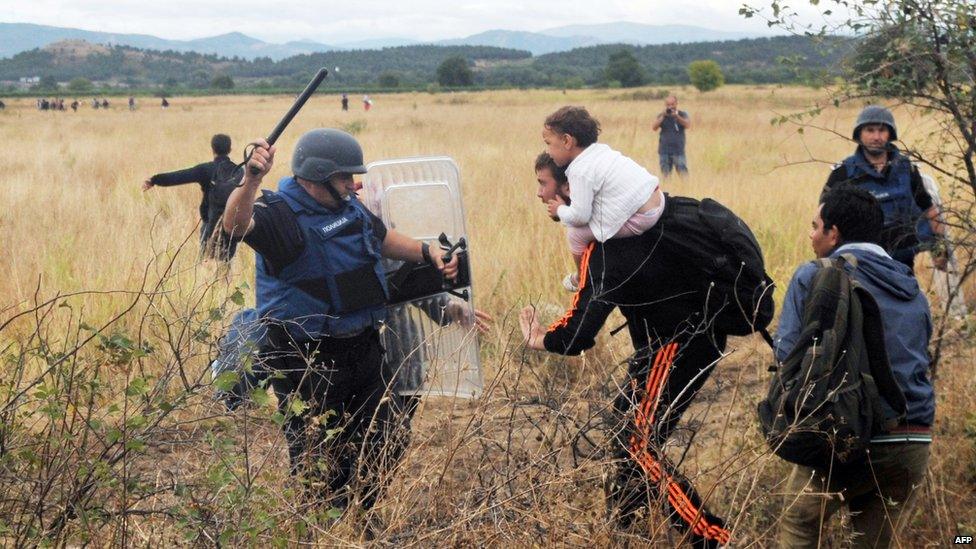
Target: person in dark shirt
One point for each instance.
(675, 350)
(207, 175)
(322, 293)
(672, 123)
(911, 219)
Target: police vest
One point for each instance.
(902, 215)
(337, 286)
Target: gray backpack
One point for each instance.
(825, 400)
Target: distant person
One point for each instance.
(345, 102)
(165, 103)
(2, 105)
(879, 490)
(911, 218)
(215, 178)
(74, 105)
(132, 103)
(611, 196)
(671, 144)
(95, 103)
(367, 102)
(104, 103)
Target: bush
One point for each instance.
(705, 75)
(455, 72)
(389, 80)
(222, 82)
(624, 68)
(47, 83)
(80, 85)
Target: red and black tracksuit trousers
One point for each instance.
(662, 383)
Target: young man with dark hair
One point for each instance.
(879, 491)
(675, 351)
(911, 219)
(208, 175)
(552, 181)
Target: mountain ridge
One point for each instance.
(20, 37)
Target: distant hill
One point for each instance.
(531, 41)
(412, 65)
(20, 37)
(758, 60)
(640, 34)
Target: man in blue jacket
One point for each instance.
(911, 218)
(322, 294)
(880, 491)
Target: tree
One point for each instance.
(47, 83)
(80, 85)
(222, 82)
(919, 54)
(455, 72)
(389, 80)
(705, 75)
(623, 67)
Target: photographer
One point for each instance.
(671, 146)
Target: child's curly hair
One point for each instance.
(577, 122)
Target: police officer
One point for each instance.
(877, 166)
(322, 292)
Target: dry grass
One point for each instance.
(509, 469)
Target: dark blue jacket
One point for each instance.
(337, 286)
(905, 315)
(905, 222)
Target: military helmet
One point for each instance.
(322, 153)
(875, 114)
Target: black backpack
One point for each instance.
(718, 245)
(824, 402)
(226, 177)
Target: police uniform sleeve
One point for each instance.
(922, 197)
(276, 234)
(379, 228)
(837, 176)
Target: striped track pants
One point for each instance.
(659, 391)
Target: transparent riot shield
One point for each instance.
(429, 336)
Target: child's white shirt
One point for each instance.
(605, 188)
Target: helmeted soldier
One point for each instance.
(877, 166)
(322, 294)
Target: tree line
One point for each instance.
(759, 61)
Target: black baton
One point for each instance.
(296, 106)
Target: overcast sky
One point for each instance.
(332, 21)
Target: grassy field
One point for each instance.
(116, 441)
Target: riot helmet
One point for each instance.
(875, 114)
(322, 153)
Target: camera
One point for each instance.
(672, 111)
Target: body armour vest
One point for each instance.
(337, 286)
(904, 223)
